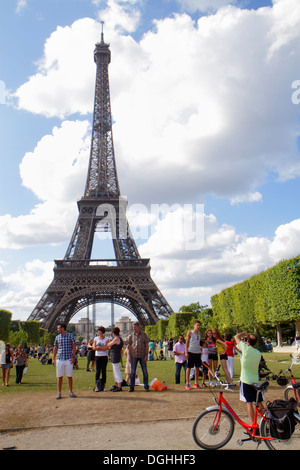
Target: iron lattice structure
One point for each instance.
(80, 281)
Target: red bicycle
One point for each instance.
(214, 427)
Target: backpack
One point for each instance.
(99, 386)
(281, 418)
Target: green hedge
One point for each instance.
(177, 324)
(269, 298)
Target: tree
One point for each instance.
(199, 312)
(32, 328)
(5, 318)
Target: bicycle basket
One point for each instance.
(282, 380)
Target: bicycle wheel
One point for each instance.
(290, 393)
(210, 434)
(276, 444)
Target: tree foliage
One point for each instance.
(268, 298)
(5, 318)
(32, 328)
(180, 323)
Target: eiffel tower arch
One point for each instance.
(79, 280)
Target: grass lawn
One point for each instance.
(40, 378)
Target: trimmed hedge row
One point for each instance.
(269, 298)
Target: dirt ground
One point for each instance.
(107, 420)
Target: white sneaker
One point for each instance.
(58, 396)
(72, 395)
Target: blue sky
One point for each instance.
(206, 112)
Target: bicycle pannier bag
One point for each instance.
(281, 418)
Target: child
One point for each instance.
(204, 359)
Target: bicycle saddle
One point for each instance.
(260, 386)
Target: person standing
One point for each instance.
(90, 356)
(170, 348)
(193, 354)
(230, 353)
(222, 351)
(7, 364)
(180, 359)
(249, 370)
(138, 352)
(165, 347)
(64, 353)
(101, 356)
(115, 347)
(21, 362)
(40, 351)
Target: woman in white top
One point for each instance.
(101, 355)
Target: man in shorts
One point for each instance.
(249, 370)
(65, 350)
(193, 354)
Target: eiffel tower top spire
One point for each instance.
(102, 180)
(102, 34)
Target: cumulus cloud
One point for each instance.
(207, 103)
(54, 171)
(251, 197)
(184, 272)
(64, 82)
(120, 15)
(226, 258)
(23, 288)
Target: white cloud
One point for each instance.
(225, 259)
(182, 275)
(120, 15)
(54, 171)
(251, 197)
(64, 83)
(24, 287)
(208, 104)
(286, 241)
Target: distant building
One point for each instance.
(126, 326)
(84, 328)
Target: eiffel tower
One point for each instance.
(78, 280)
